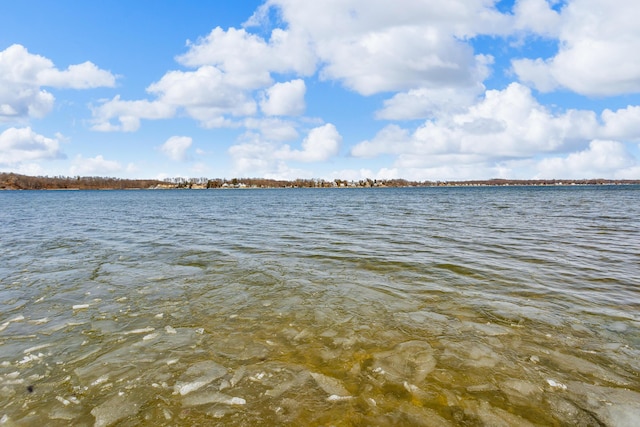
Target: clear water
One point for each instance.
(435, 306)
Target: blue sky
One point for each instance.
(351, 89)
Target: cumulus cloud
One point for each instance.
(322, 143)
(19, 145)
(372, 48)
(273, 129)
(418, 54)
(601, 159)
(418, 47)
(254, 157)
(392, 139)
(92, 166)
(399, 59)
(33, 169)
(536, 16)
(81, 76)
(229, 67)
(23, 76)
(176, 147)
(248, 57)
(507, 123)
(284, 99)
(595, 41)
(428, 103)
(621, 124)
(269, 158)
(128, 114)
(502, 134)
(206, 94)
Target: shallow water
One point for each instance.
(434, 306)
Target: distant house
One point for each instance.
(165, 186)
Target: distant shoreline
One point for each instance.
(12, 181)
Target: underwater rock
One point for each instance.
(199, 375)
(330, 385)
(521, 392)
(612, 406)
(204, 398)
(410, 361)
(115, 409)
(283, 387)
(576, 364)
(240, 347)
(493, 416)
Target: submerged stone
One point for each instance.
(521, 392)
(199, 375)
(493, 416)
(297, 381)
(612, 406)
(115, 409)
(204, 398)
(330, 385)
(410, 361)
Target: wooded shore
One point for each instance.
(12, 181)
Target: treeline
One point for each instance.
(367, 183)
(507, 182)
(296, 183)
(12, 181)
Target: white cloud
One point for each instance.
(128, 114)
(259, 157)
(206, 95)
(621, 124)
(273, 129)
(399, 59)
(22, 76)
(536, 16)
(22, 102)
(536, 73)
(596, 38)
(176, 147)
(502, 134)
(94, 166)
(391, 139)
(427, 103)
(374, 48)
(347, 18)
(229, 67)
(508, 123)
(419, 54)
(19, 145)
(32, 169)
(601, 159)
(321, 144)
(284, 99)
(81, 76)
(248, 58)
(415, 47)
(254, 157)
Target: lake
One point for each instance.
(345, 307)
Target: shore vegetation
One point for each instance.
(13, 181)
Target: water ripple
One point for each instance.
(467, 306)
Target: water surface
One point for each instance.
(432, 306)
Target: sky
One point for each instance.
(350, 89)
